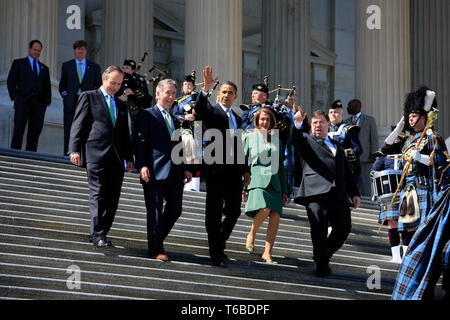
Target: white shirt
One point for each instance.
(225, 109)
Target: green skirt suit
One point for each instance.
(268, 177)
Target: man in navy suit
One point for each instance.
(100, 141)
(29, 87)
(77, 75)
(161, 178)
(223, 177)
(326, 186)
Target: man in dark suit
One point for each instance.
(368, 136)
(223, 177)
(77, 75)
(326, 185)
(161, 178)
(29, 87)
(100, 141)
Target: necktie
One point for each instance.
(230, 120)
(35, 72)
(80, 76)
(355, 120)
(111, 109)
(168, 122)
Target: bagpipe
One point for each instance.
(138, 85)
(187, 102)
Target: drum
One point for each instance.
(385, 183)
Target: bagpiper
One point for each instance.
(346, 135)
(427, 193)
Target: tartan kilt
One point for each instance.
(446, 267)
(427, 255)
(424, 200)
(391, 214)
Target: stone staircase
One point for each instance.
(45, 254)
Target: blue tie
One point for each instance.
(230, 120)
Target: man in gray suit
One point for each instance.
(368, 137)
(327, 186)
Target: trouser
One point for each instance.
(321, 210)
(33, 113)
(68, 119)
(105, 183)
(160, 221)
(223, 197)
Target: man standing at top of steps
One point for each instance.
(327, 182)
(100, 141)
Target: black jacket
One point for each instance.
(321, 168)
(93, 130)
(21, 82)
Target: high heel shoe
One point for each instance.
(269, 260)
(250, 249)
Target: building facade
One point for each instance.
(373, 50)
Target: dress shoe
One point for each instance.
(268, 260)
(102, 243)
(220, 262)
(162, 257)
(323, 271)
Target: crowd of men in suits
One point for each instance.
(110, 126)
(99, 135)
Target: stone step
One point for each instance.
(44, 224)
(257, 275)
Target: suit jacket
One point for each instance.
(214, 117)
(20, 82)
(154, 145)
(263, 170)
(69, 83)
(368, 135)
(92, 128)
(321, 168)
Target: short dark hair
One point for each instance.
(32, 42)
(79, 44)
(356, 102)
(320, 113)
(230, 84)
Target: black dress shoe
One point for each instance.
(102, 244)
(220, 262)
(323, 271)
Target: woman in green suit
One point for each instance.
(268, 187)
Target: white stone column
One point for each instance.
(430, 54)
(213, 36)
(127, 31)
(383, 63)
(22, 21)
(286, 47)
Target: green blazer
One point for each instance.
(266, 162)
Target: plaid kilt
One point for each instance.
(446, 267)
(425, 257)
(424, 199)
(391, 214)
